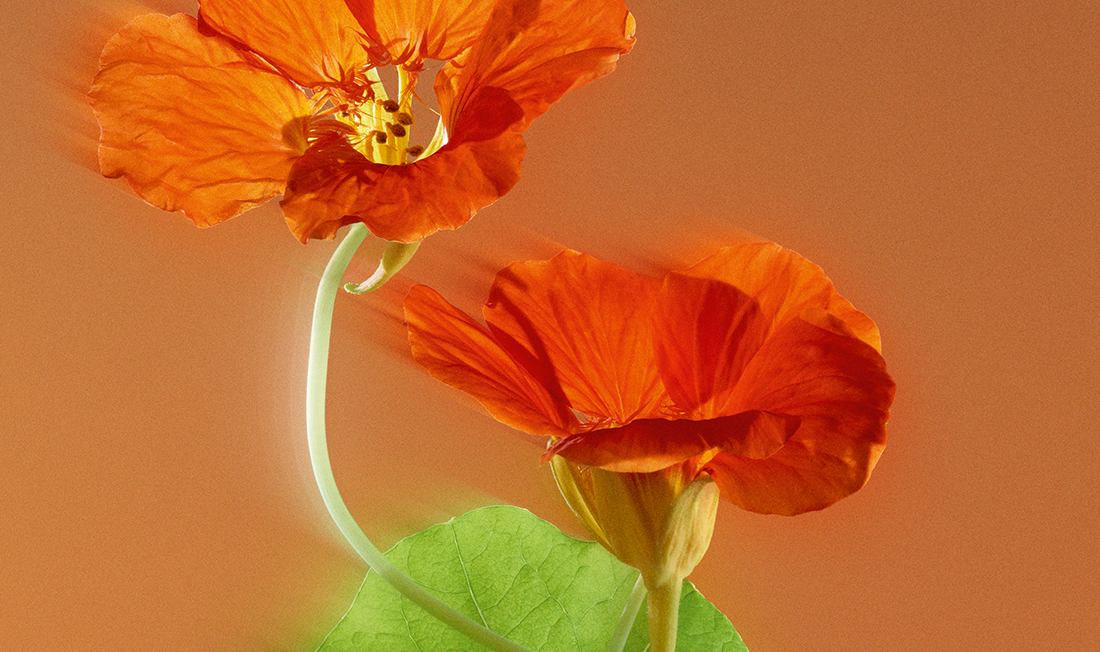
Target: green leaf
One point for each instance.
(521, 577)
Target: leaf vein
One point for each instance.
(466, 575)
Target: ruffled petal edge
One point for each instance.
(838, 386)
(191, 123)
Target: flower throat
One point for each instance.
(376, 125)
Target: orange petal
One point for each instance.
(461, 353)
(414, 30)
(838, 386)
(583, 325)
(314, 44)
(784, 285)
(648, 445)
(538, 51)
(333, 184)
(707, 331)
(191, 123)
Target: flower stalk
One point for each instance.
(657, 522)
(316, 384)
(664, 614)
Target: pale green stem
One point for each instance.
(626, 621)
(316, 381)
(664, 613)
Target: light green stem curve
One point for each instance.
(316, 382)
(630, 614)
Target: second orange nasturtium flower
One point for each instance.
(259, 98)
(746, 373)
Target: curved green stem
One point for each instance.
(316, 382)
(626, 621)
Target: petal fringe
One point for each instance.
(415, 30)
(318, 45)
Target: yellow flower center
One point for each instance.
(379, 126)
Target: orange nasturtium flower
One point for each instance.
(746, 374)
(258, 98)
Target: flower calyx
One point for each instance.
(660, 523)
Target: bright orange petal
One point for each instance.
(333, 184)
(648, 445)
(585, 326)
(538, 51)
(838, 386)
(784, 285)
(707, 331)
(191, 123)
(414, 30)
(460, 352)
(314, 43)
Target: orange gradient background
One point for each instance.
(941, 164)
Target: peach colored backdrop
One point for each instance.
(941, 163)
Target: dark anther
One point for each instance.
(415, 150)
(389, 106)
(404, 118)
(397, 130)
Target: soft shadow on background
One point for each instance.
(939, 162)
